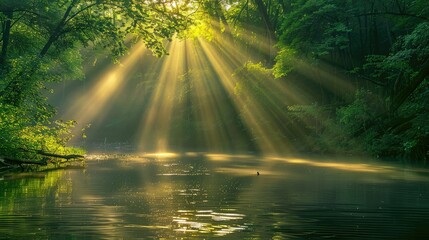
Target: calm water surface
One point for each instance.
(204, 196)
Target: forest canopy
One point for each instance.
(358, 68)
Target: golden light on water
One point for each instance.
(161, 155)
(225, 157)
(344, 166)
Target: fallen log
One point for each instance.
(8, 162)
(15, 161)
(54, 155)
(68, 157)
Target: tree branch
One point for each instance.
(371, 80)
(241, 11)
(400, 98)
(394, 14)
(55, 34)
(80, 10)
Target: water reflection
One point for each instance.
(204, 195)
(28, 196)
(207, 221)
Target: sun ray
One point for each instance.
(328, 77)
(267, 138)
(92, 104)
(192, 99)
(157, 120)
(216, 108)
(253, 42)
(206, 93)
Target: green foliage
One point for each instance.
(386, 44)
(397, 69)
(413, 130)
(364, 108)
(22, 134)
(359, 115)
(285, 61)
(41, 42)
(312, 29)
(45, 37)
(405, 134)
(252, 84)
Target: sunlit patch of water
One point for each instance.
(208, 222)
(346, 166)
(175, 169)
(246, 171)
(161, 155)
(226, 157)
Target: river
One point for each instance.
(202, 195)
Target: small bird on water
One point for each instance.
(257, 173)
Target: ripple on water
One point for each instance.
(200, 198)
(208, 222)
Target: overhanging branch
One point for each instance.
(393, 14)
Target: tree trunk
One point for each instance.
(262, 8)
(57, 31)
(265, 17)
(221, 15)
(6, 37)
(400, 98)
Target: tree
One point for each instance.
(380, 47)
(63, 25)
(41, 43)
